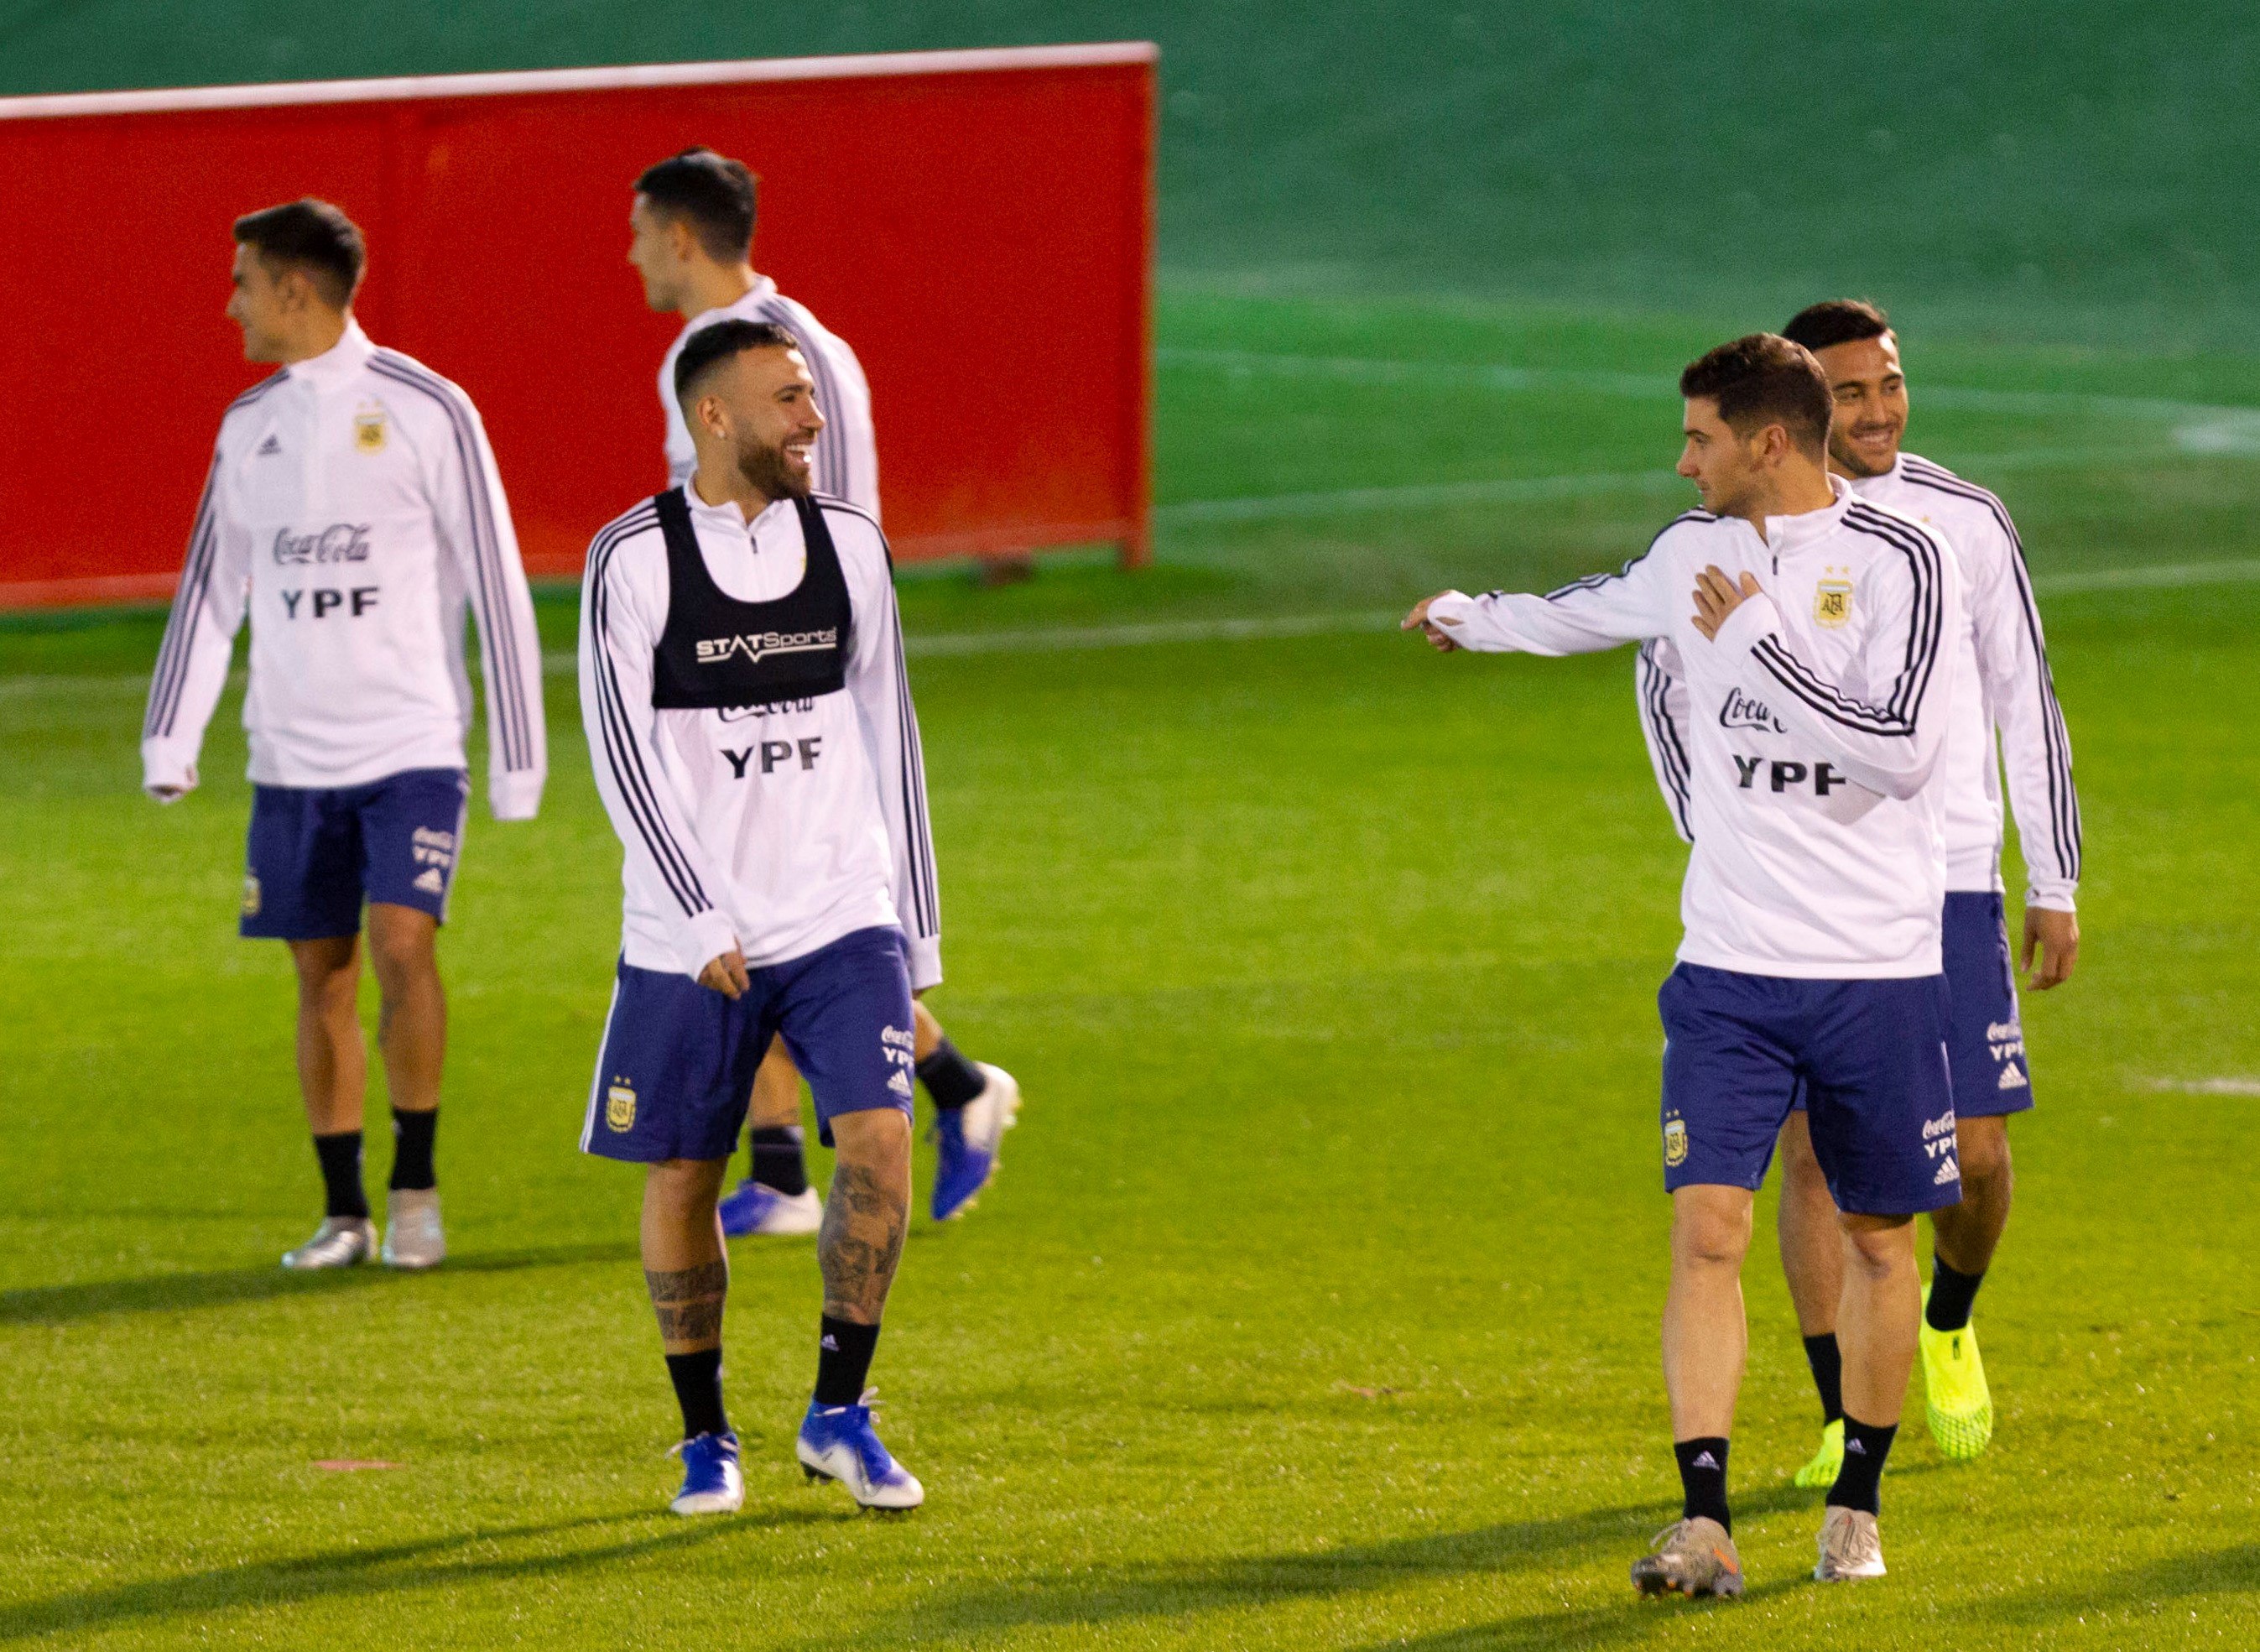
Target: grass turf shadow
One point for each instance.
(160, 1293)
(328, 1573)
(2232, 1571)
(1104, 1595)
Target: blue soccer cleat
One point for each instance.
(712, 1482)
(836, 1443)
(967, 1139)
(755, 1208)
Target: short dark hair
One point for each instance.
(1766, 379)
(711, 193)
(1836, 321)
(313, 236)
(711, 345)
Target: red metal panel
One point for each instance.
(982, 235)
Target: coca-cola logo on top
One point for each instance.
(339, 542)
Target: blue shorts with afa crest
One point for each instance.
(315, 854)
(675, 1074)
(1868, 1058)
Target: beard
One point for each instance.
(766, 472)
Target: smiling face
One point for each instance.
(1869, 392)
(758, 409)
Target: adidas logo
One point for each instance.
(1705, 1461)
(830, 1342)
(1949, 1171)
(432, 883)
(1853, 1448)
(270, 446)
(2012, 1077)
(900, 1083)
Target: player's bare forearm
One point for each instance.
(2051, 948)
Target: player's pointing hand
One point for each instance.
(1432, 629)
(1716, 596)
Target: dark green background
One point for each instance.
(2081, 174)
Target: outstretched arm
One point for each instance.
(1600, 613)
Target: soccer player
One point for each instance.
(752, 738)
(1814, 631)
(353, 513)
(2002, 684)
(691, 237)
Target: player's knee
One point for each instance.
(1714, 1235)
(1879, 1246)
(1981, 1148)
(402, 952)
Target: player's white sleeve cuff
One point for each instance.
(926, 963)
(2053, 896)
(1754, 619)
(169, 764)
(1451, 610)
(516, 797)
(704, 939)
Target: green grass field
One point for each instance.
(1316, 1306)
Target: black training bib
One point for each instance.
(720, 652)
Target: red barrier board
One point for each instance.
(978, 225)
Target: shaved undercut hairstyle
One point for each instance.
(711, 193)
(710, 346)
(1766, 379)
(312, 236)
(1836, 321)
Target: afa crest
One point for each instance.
(368, 430)
(1674, 1142)
(1832, 603)
(619, 1106)
(251, 894)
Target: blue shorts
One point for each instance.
(1869, 1057)
(675, 1074)
(315, 855)
(1985, 1037)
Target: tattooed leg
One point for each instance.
(862, 1239)
(684, 1264)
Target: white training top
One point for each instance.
(1818, 714)
(720, 853)
(845, 458)
(2001, 682)
(352, 510)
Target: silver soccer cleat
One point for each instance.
(341, 1241)
(1850, 1546)
(412, 1237)
(1692, 1556)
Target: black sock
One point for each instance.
(340, 1157)
(1951, 1294)
(1703, 1479)
(778, 1160)
(843, 1360)
(1828, 1374)
(949, 1078)
(1866, 1445)
(412, 1150)
(697, 1380)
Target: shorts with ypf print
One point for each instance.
(316, 853)
(1984, 1035)
(1869, 1057)
(675, 1074)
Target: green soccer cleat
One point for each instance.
(1960, 1405)
(1821, 1471)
